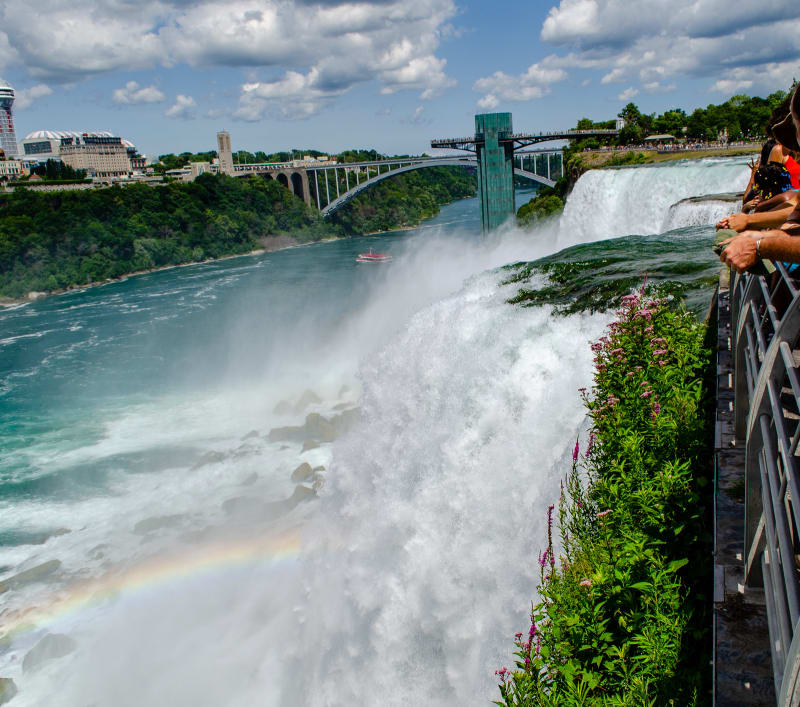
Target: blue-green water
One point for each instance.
(136, 424)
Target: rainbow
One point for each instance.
(205, 559)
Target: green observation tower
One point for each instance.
(494, 149)
(494, 144)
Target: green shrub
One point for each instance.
(621, 618)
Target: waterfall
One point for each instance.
(636, 200)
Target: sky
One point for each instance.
(382, 74)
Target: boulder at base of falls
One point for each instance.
(242, 505)
(52, 646)
(308, 445)
(301, 493)
(209, 458)
(250, 480)
(148, 525)
(302, 472)
(34, 574)
(319, 428)
(7, 690)
(252, 434)
(284, 407)
(282, 434)
(309, 397)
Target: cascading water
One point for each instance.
(186, 578)
(627, 201)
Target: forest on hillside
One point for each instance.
(51, 241)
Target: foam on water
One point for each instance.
(419, 560)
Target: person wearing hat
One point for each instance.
(744, 251)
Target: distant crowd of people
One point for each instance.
(768, 226)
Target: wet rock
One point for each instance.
(341, 406)
(309, 397)
(284, 407)
(319, 428)
(250, 480)
(308, 445)
(344, 390)
(33, 295)
(34, 574)
(242, 505)
(209, 458)
(318, 468)
(52, 646)
(301, 493)
(252, 434)
(98, 552)
(148, 525)
(345, 420)
(302, 472)
(282, 434)
(317, 482)
(7, 690)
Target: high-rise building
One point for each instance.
(224, 152)
(8, 139)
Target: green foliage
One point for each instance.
(622, 614)
(79, 237)
(538, 208)
(56, 170)
(51, 241)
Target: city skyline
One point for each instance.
(385, 75)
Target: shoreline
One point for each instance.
(9, 303)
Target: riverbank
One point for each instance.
(595, 159)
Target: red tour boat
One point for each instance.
(373, 257)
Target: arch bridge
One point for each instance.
(495, 151)
(331, 185)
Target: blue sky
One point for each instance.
(385, 74)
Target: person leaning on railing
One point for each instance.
(768, 235)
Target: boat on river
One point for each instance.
(373, 257)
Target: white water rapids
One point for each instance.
(413, 570)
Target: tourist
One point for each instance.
(743, 252)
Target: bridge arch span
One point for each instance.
(456, 161)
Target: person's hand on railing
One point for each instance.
(736, 222)
(742, 251)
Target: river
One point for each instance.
(147, 455)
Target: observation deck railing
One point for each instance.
(765, 329)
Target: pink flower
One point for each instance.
(602, 514)
(646, 394)
(659, 352)
(590, 445)
(586, 583)
(629, 374)
(576, 451)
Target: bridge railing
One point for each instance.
(765, 328)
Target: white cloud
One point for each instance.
(657, 87)
(132, 93)
(734, 47)
(534, 83)
(183, 108)
(628, 93)
(418, 117)
(24, 97)
(335, 44)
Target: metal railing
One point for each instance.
(765, 319)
